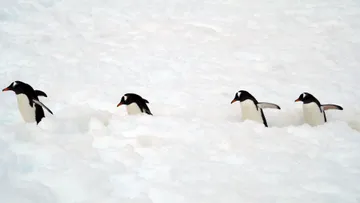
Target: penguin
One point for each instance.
(251, 109)
(314, 112)
(29, 104)
(135, 104)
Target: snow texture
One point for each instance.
(188, 58)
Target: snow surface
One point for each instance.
(188, 58)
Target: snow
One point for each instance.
(188, 58)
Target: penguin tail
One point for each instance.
(148, 112)
(146, 101)
(39, 115)
(40, 93)
(331, 106)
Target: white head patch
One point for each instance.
(238, 94)
(14, 84)
(304, 95)
(125, 98)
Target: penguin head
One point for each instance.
(243, 95)
(18, 87)
(306, 98)
(130, 98)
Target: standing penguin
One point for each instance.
(314, 112)
(135, 104)
(251, 109)
(29, 104)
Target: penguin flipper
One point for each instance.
(267, 105)
(43, 105)
(39, 114)
(263, 118)
(40, 93)
(331, 106)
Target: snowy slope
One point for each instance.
(188, 58)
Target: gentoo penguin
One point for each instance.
(251, 109)
(28, 102)
(314, 112)
(135, 104)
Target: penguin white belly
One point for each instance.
(133, 109)
(250, 112)
(312, 114)
(26, 111)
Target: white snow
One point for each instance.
(188, 58)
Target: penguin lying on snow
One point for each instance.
(314, 112)
(29, 104)
(135, 104)
(251, 109)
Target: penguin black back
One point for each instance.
(307, 98)
(243, 95)
(22, 88)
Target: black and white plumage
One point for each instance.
(135, 104)
(251, 109)
(313, 110)
(29, 104)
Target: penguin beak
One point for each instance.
(6, 89)
(119, 104)
(234, 100)
(297, 100)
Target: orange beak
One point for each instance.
(6, 89)
(297, 100)
(233, 101)
(119, 104)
